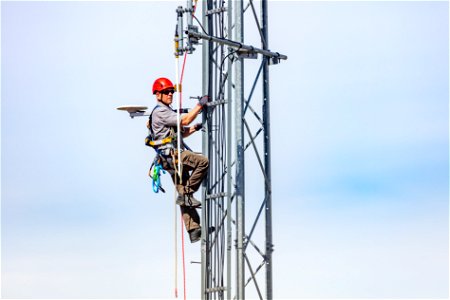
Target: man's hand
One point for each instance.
(198, 126)
(187, 131)
(203, 100)
(186, 119)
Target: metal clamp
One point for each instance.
(216, 11)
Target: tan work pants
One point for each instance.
(195, 166)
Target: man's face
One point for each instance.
(165, 96)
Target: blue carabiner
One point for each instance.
(157, 177)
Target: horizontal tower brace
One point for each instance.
(237, 45)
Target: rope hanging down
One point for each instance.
(179, 168)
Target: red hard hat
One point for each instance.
(161, 84)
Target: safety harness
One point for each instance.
(150, 139)
(162, 161)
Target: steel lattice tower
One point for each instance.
(236, 247)
(239, 249)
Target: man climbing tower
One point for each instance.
(163, 138)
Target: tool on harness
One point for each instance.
(156, 175)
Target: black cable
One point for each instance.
(200, 24)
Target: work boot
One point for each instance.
(188, 200)
(195, 234)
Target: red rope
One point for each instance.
(182, 221)
(182, 253)
(182, 69)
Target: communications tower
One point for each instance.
(237, 200)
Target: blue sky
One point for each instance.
(359, 138)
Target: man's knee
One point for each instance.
(204, 161)
(196, 160)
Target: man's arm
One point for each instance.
(187, 119)
(187, 131)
